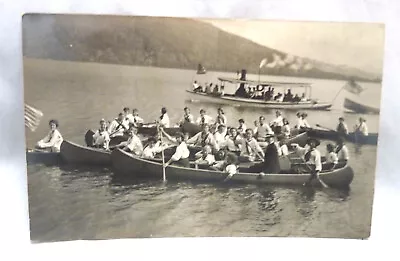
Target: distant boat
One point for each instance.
(359, 107)
(201, 69)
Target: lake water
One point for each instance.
(70, 204)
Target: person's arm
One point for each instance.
(258, 149)
(53, 140)
(193, 139)
(171, 139)
(177, 156)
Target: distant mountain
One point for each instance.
(163, 42)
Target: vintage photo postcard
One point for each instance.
(141, 127)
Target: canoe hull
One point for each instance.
(243, 102)
(73, 153)
(46, 158)
(371, 139)
(359, 108)
(133, 167)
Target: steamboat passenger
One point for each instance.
(196, 87)
(53, 139)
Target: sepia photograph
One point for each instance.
(160, 127)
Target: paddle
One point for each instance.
(320, 126)
(162, 153)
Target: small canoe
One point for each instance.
(256, 103)
(76, 154)
(43, 157)
(130, 166)
(371, 139)
(359, 107)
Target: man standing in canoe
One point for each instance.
(101, 139)
(342, 127)
(53, 139)
(118, 126)
(312, 158)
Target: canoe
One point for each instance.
(254, 103)
(76, 154)
(186, 127)
(371, 139)
(129, 166)
(359, 107)
(42, 157)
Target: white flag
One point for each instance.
(263, 62)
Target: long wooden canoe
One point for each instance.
(254, 103)
(371, 139)
(42, 157)
(359, 107)
(130, 166)
(73, 153)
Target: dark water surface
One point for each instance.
(71, 203)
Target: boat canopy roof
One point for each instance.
(265, 83)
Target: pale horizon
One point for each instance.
(356, 45)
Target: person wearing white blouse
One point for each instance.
(53, 139)
(203, 118)
(164, 118)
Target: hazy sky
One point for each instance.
(353, 44)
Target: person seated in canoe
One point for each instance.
(153, 147)
(196, 87)
(206, 158)
(278, 121)
(219, 136)
(263, 130)
(270, 163)
(187, 117)
(53, 139)
(250, 149)
(233, 141)
(137, 120)
(231, 165)
(203, 118)
(133, 145)
(312, 158)
(164, 118)
(255, 127)
(304, 122)
(203, 138)
(128, 115)
(299, 123)
(181, 155)
(281, 144)
(331, 157)
(242, 127)
(101, 138)
(118, 126)
(341, 150)
(342, 127)
(361, 128)
(286, 128)
(221, 118)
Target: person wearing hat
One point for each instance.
(153, 147)
(53, 139)
(312, 158)
(341, 150)
(181, 155)
(164, 118)
(101, 139)
(203, 118)
(133, 144)
(342, 127)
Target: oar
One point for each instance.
(318, 125)
(162, 153)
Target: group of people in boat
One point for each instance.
(219, 147)
(258, 92)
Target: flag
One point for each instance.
(263, 62)
(353, 87)
(32, 117)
